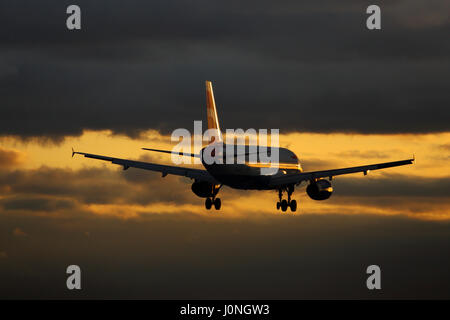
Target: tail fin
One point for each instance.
(213, 120)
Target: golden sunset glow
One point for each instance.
(315, 152)
(432, 151)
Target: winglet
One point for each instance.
(414, 158)
(73, 152)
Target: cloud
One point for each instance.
(369, 154)
(394, 185)
(445, 147)
(10, 158)
(413, 196)
(53, 189)
(134, 193)
(143, 66)
(31, 203)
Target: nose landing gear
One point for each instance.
(283, 203)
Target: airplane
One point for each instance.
(247, 176)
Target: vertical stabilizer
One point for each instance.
(213, 120)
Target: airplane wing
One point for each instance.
(304, 176)
(197, 174)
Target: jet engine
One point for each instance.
(319, 190)
(203, 189)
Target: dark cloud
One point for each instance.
(393, 185)
(35, 204)
(47, 189)
(290, 257)
(142, 65)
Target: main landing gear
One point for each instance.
(210, 201)
(283, 203)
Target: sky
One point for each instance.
(340, 94)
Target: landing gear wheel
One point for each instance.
(284, 205)
(278, 205)
(293, 205)
(217, 203)
(208, 203)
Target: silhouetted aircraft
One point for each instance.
(247, 175)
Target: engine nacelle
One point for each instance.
(319, 190)
(203, 189)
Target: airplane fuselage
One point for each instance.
(251, 174)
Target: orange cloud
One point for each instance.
(10, 158)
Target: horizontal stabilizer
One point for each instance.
(193, 155)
